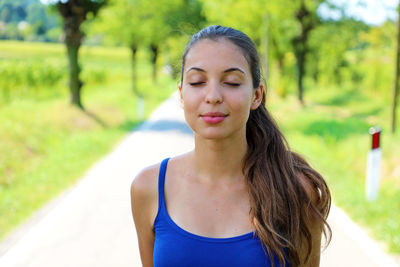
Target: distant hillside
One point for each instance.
(28, 20)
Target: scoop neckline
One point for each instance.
(205, 238)
(192, 235)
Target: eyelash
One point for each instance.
(195, 84)
(233, 84)
(230, 84)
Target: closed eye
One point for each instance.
(196, 83)
(233, 84)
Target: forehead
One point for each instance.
(216, 54)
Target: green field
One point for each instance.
(47, 144)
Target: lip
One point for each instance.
(214, 114)
(213, 117)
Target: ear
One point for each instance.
(180, 94)
(257, 97)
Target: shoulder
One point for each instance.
(144, 194)
(144, 204)
(146, 181)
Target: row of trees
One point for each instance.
(28, 20)
(147, 23)
(131, 23)
(276, 26)
(292, 38)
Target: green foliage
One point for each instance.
(26, 20)
(139, 24)
(36, 77)
(274, 27)
(231, 13)
(142, 23)
(174, 49)
(120, 22)
(21, 76)
(48, 145)
(13, 10)
(351, 55)
(330, 43)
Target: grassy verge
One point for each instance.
(48, 144)
(332, 132)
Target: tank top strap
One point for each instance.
(161, 182)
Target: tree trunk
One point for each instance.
(134, 69)
(75, 84)
(154, 50)
(74, 13)
(396, 75)
(73, 18)
(301, 72)
(140, 101)
(300, 44)
(279, 56)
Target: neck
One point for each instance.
(219, 160)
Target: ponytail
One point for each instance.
(277, 196)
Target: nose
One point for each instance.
(213, 94)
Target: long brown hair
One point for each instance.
(280, 207)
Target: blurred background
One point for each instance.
(77, 76)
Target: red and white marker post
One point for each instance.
(373, 165)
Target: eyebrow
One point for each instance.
(225, 71)
(233, 69)
(195, 68)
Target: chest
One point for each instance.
(211, 211)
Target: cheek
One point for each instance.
(190, 107)
(241, 102)
(189, 102)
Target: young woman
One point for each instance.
(241, 197)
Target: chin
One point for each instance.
(212, 134)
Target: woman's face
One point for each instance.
(217, 91)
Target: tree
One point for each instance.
(255, 22)
(282, 27)
(396, 75)
(157, 26)
(135, 23)
(120, 24)
(307, 20)
(184, 20)
(74, 13)
(25, 20)
(169, 19)
(278, 27)
(330, 63)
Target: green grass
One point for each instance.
(47, 144)
(331, 131)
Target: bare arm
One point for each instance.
(144, 203)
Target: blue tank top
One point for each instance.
(174, 246)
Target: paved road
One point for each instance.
(90, 225)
